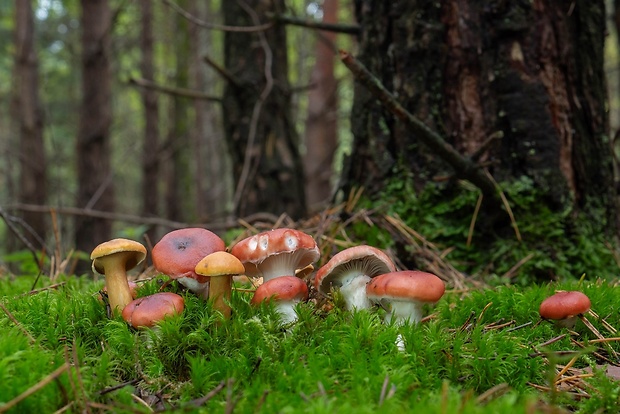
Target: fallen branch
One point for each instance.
(36, 387)
(463, 166)
(170, 90)
(351, 29)
(130, 218)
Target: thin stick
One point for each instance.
(16, 322)
(506, 205)
(595, 331)
(36, 387)
(351, 29)
(198, 22)
(171, 90)
(198, 402)
(386, 381)
(470, 233)
(513, 270)
(603, 322)
(519, 326)
(552, 340)
(35, 291)
(496, 391)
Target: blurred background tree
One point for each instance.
(163, 114)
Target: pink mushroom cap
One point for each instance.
(275, 253)
(178, 252)
(148, 310)
(563, 305)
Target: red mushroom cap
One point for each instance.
(362, 259)
(178, 252)
(148, 310)
(284, 288)
(413, 285)
(275, 253)
(564, 305)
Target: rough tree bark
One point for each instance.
(321, 135)
(95, 179)
(531, 72)
(258, 124)
(179, 201)
(29, 116)
(150, 154)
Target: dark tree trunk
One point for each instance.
(29, 116)
(150, 154)
(265, 156)
(531, 72)
(95, 180)
(321, 125)
(179, 201)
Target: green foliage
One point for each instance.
(327, 361)
(554, 244)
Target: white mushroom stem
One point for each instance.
(402, 312)
(287, 311)
(353, 291)
(200, 289)
(400, 343)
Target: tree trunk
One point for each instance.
(27, 109)
(258, 124)
(321, 125)
(179, 201)
(150, 154)
(95, 179)
(531, 72)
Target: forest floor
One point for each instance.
(480, 349)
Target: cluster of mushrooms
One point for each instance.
(283, 258)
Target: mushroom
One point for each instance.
(146, 311)
(286, 292)
(113, 259)
(178, 253)
(564, 307)
(274, 253)
(133, 290)
(220, 267)
(405, 292)
(350, 270)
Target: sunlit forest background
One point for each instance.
(57, 39)
(195, 182)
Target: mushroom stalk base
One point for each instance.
(219, 292)
(287, 312)
(119, 293)
(403, 312)
(354, 293)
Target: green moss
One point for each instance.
(554, 245)
(342, 361)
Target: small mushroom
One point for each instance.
(220, 267)
(564, 307)
(404, 293)
(274, 253)
(113, 259)
(350, 270)
(146, 311)
(286, 292)
(178, 253)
